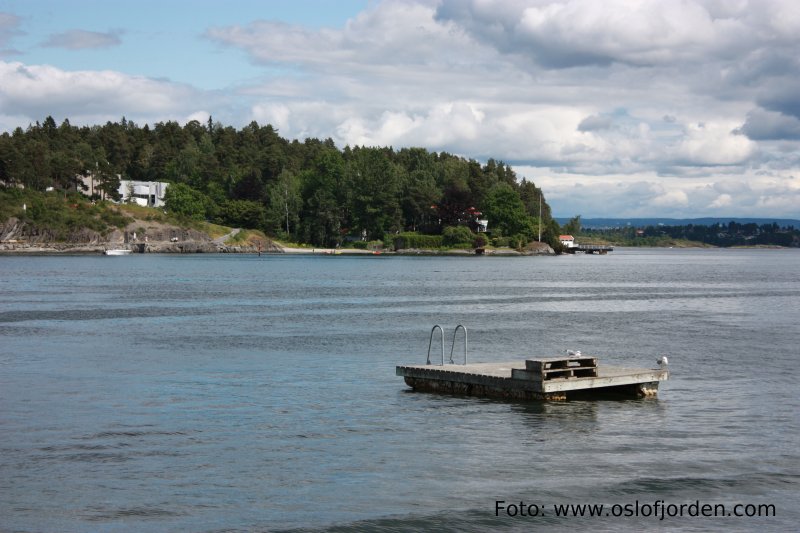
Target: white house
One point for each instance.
(567, 240)
(144, 193)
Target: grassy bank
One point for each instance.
(60, 216)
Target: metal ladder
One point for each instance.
(452, 346)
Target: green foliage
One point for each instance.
(242, 214)
(416, 240)
(375, 183)
(364, 245)
(146, 213)
(457, 235)
(573, 227)
(518, 241)
(239, 238)
(550, 235)
(58, 217)
(285, 202)
(325, 193)
(114, 218)
(499, 242)
(11, 201)
(506, 212)
(182, 200)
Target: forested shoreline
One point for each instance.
(307, 192)
(720, 235)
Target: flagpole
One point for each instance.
(540, 215)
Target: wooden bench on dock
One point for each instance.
(557, 368)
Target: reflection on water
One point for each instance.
(236, 392)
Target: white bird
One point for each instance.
(573, 352)
(663, 361)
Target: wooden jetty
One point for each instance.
(590, 249)
(557, 378)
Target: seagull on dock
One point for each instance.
(663, 361)
(573, 352)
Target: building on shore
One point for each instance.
(567, 240)
(144, 193)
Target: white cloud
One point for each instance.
(584, 32)
(672, 200)
(83, 96)
(198, 116)
(646, 194)
(714, 144)
(452, 124)
(784, 19)
(389, 33)
(723, 200)
(275, 114)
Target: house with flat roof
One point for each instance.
(144, 193)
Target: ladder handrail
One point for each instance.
(455, 334)
(430, 343)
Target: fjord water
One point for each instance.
(244, 393)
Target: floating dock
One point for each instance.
(601, 249)
(559, 378)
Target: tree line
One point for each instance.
(724, 235)
(309, 192)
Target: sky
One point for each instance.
(619, 108)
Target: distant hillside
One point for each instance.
(603, 223)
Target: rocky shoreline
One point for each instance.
(139, 236)
(212, 247)
(151, 237)
(16, 248)
(167, 248)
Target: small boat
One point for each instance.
(117, 251)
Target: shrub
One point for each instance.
(517, 241)
(114, 218)
(500, 242)
(182, 200)
(415, 240)
(455, 235)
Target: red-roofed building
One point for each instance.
(567, 240)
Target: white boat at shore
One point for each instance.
(117, 251)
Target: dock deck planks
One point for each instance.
(547, 378)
